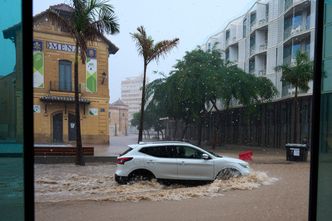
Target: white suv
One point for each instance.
(175, 161)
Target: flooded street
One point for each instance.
(56, 183)
(276, 191)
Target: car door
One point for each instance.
(161, 161)
(191, 166)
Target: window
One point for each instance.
(189, 152)
(65, 83)
(252, 19)
(244, 27)
(160, 151)
(227, 34)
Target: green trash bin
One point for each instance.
(296, 152)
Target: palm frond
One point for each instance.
(162, 48)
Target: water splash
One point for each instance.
(57, 187)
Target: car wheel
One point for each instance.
(137, 176)
(228, 173)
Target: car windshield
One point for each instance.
(214, 154)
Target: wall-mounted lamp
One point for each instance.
(103, 77)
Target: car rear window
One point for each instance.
(127, 151)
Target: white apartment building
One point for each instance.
(131, 94)
(269, 34)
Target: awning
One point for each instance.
(62, 99)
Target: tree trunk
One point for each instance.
(296, 111)
(79, 149)
(140, 133)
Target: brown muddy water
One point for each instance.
(66, 182)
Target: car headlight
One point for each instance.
(245, 165)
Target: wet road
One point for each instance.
(284, 199)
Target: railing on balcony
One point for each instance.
(233, 40)
(262, 22)
(263, 47)
(262, 72)
(290, 31)
(63, 86)
(253, 26)
(227, 42)
(252, 50)
(290, 3)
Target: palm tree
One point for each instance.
(88, 20)
(149, 51)
(298, 74)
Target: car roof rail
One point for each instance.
(157, 142)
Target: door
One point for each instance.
(65, 83)
(58, 128)
(161, 161)
(191, 166)
(71, 127)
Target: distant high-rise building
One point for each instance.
(131, 94)
(269, 34)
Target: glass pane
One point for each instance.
(11, 114)
(327, 77)
(324, 195)
(327, 42)
(328, 15)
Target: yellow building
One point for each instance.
(118, 118)
(53, 72)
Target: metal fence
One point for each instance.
(267, 125)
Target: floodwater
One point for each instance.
(66, 182)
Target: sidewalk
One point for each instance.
(117, 145)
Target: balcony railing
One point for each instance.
(263, 47)
(63, 86)
(262, 22)
(253, 26)
(290, 32)
(290, 3)
(252, 50)
(261, 73)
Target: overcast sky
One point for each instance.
(192, 21)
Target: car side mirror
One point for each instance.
(205, 156)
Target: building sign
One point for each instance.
(60, 46)
(91, 71)
(38, 64)
(93, 111)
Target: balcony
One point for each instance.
(292, 3)
(262, 47)
(252, 50)
(262, 22)
(232, 41)
(68, 87)
(292, 32)
(261, 73)
(253, 26)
